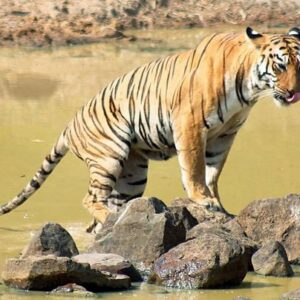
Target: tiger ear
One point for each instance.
(255, 37)
(252, 34)
(295, 32)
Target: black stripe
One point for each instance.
(105, 175)
(224, 84)
(143, 166)
(49, 160)
(139, 182)
(131, 81)
(43, 172)
(112, 107)
(220, 112)
(122, 139)
(204, 49)
(209, 154)
(35, 184)
(203, 116)
(161, 137)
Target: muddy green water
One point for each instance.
(40, 90)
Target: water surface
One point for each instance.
(40, 90)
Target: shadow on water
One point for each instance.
(12, 229)
(255, 285)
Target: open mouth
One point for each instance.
(286, 99)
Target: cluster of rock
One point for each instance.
(182, 246)
(62, 22)
(51, 261)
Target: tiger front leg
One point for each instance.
(216, 154)
(190, 142)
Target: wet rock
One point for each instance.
(213, 259)
(145, 230)
(271, 259)
(53, 239)
(200, 213)
(293, 295)
(74, 289)
(274, 219)
(48, 272)
(112, 263)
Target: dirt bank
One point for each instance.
(62, 22)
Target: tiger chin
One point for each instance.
(191, 104)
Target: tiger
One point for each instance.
(190, 104)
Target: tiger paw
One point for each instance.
(94, 227)
(211, 204)
(100, 212)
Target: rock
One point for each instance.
(145, 230)
(48, 272)
(182, 214)
(271, 259)
(293, 295)
(241, 298)
(230, 228)
(112, 263)
(74, 289)
(111, 33)
(51, 239)
(211, 260)
(200, 213)
(53, 23)
(274, 219)
(207, 227)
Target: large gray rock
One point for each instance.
(145, 230)
(53, 239)
(49, 272)
(200, 213)
(271, 259)
(231, 229)
(274, 219)
(293, 295)
(211, 260)
(109, 262)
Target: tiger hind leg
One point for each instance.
(103, 177)
(131, 182)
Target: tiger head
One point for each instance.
(278, 64)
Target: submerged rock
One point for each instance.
(293, 295)
(213, 259)
(48, 272)
(73, 288)
(271, 259)
(145, 230)
(109, 262)
(53, 239)
(274, 219)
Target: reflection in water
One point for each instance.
(263, 162)
(25, 86)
